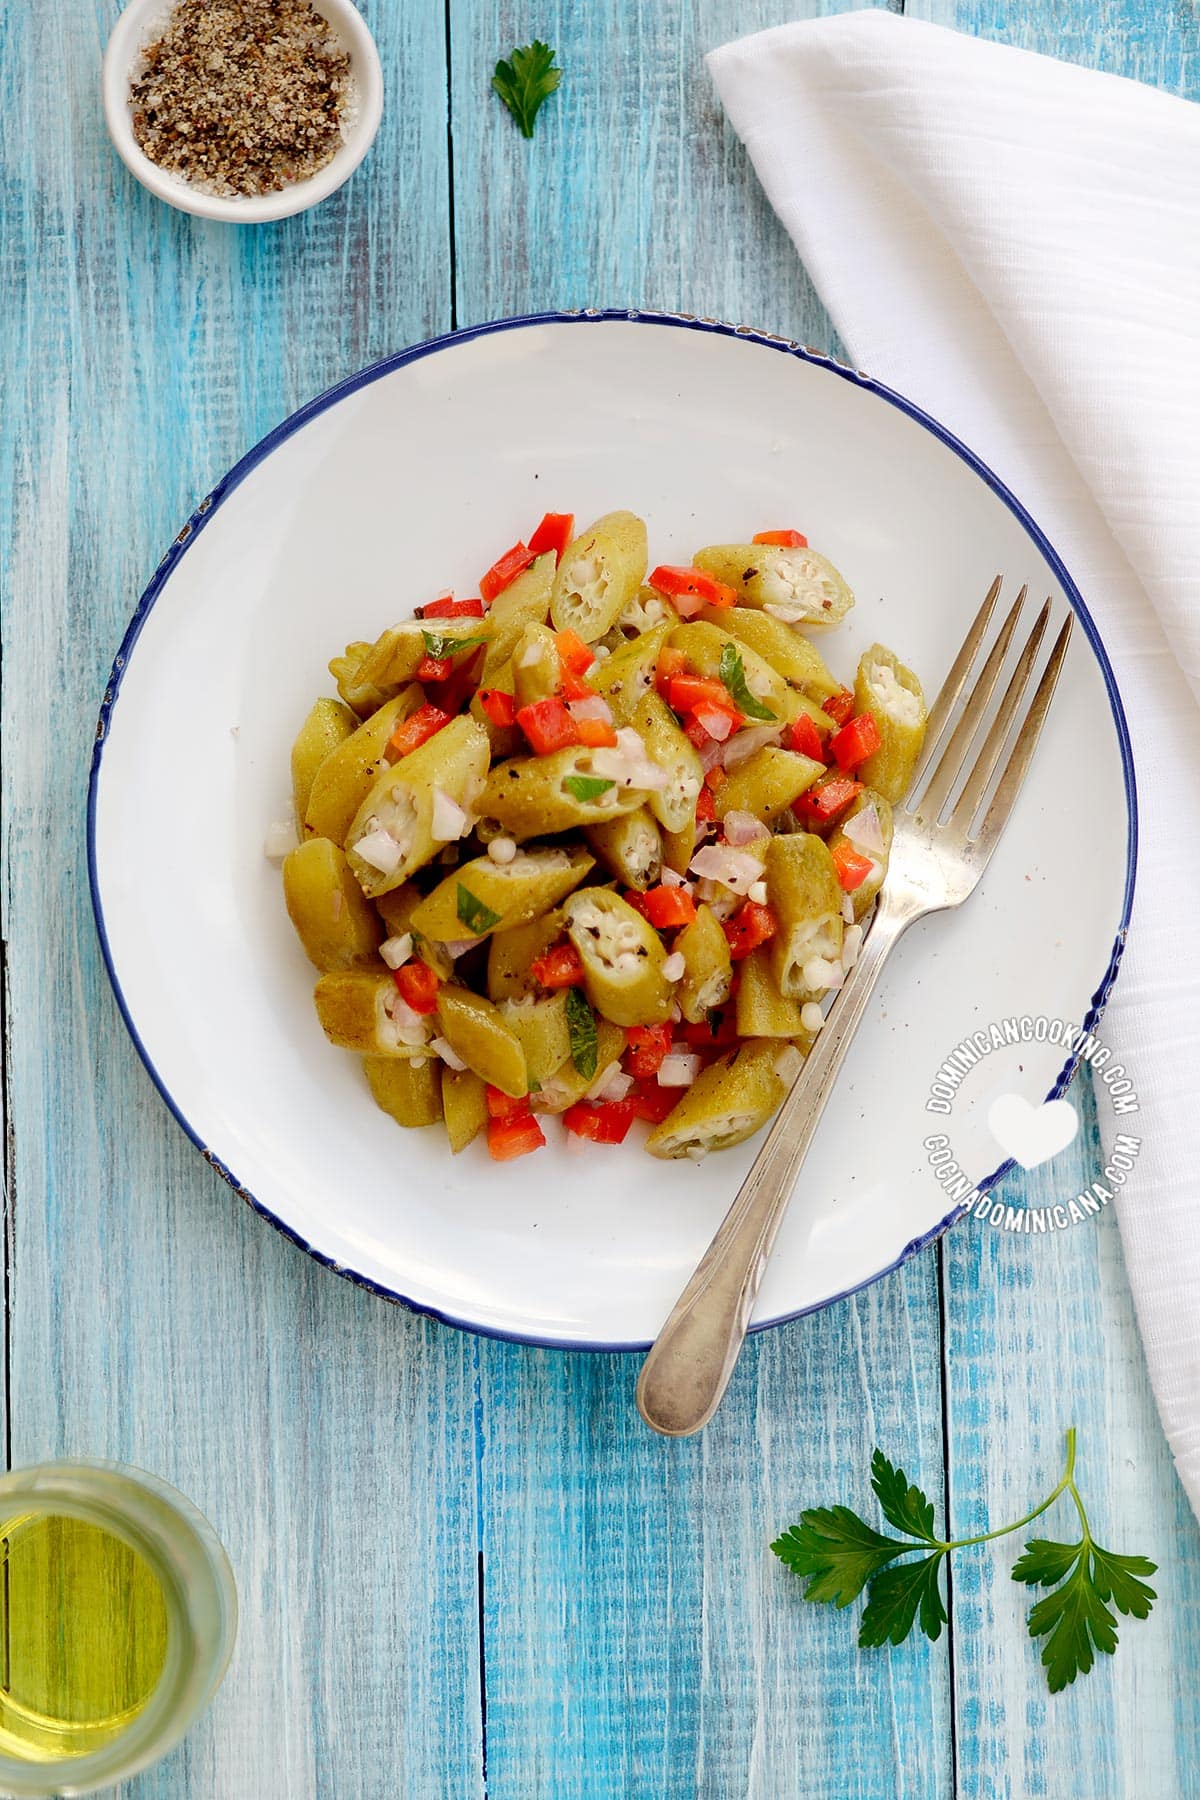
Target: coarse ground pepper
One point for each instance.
(242, 96)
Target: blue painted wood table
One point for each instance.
(464, 1566)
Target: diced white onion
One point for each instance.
(811, 1016)
(847, 909)
(280, 840)
(720, 900)
(630, 741)
(675, 966)
(717, 723)
(757, 891)
(679, 1069)
(596, 707)
(788, 1064)
(671, 879)
(405, 1019)
(735, 869)
(865, 833)
(380, 849)
(449, 822)
(613, 1084)
(711, 754)
(459, 947)
(744, 743)
(502, 849)
(396, 951)
(450, 1057)
(675, 1015)
(741, 828)
(851, 945)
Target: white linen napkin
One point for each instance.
(1014, 243)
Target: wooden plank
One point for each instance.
(1040, 1335)
(155, 1320)
(639, 1637)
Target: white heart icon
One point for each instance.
(1031, 1135)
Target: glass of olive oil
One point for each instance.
(117, 1620)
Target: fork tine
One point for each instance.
(931, 802)
(943, 706)
(967, 804)
(996, 817)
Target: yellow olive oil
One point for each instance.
(83, 1636)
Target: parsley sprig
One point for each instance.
(839, 1555)
(584, 1037)
(440, 644)
(732, 671)
(473, 912)
(527, 79)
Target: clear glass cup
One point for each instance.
(118, 1614)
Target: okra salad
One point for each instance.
(597, 842)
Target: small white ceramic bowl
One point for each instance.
(138, 26)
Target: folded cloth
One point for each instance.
(1014, 243)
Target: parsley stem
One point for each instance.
(1067, 1482)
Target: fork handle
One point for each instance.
(689, 1365)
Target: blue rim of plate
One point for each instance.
(590, 316)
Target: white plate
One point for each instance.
(409, 478)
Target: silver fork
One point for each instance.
(934, 864)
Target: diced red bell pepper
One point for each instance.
(691, 584)
(856, 741)
(718, 721)
(668, 907)
(803, 737)
(648, 1046)
(504, 1106)
(750, 926)
(574, 687)
(451, 609)
(653, 1103)
(822, 803)
(791, 540)
(603, 1121)
(434, 668)
(851, 868)
(839, 706)
(418, 729)
(596, 734)
(559, 968)
(418, 985)
(500, 707)
(513, 1137)
(573, 653)
(705, 1036)
(462, 682)
(715, 778)
(554, 533)
(548, 725)
(706, 812)
(696, 734)
(670, 662)
(686, 693)
(504, 571)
